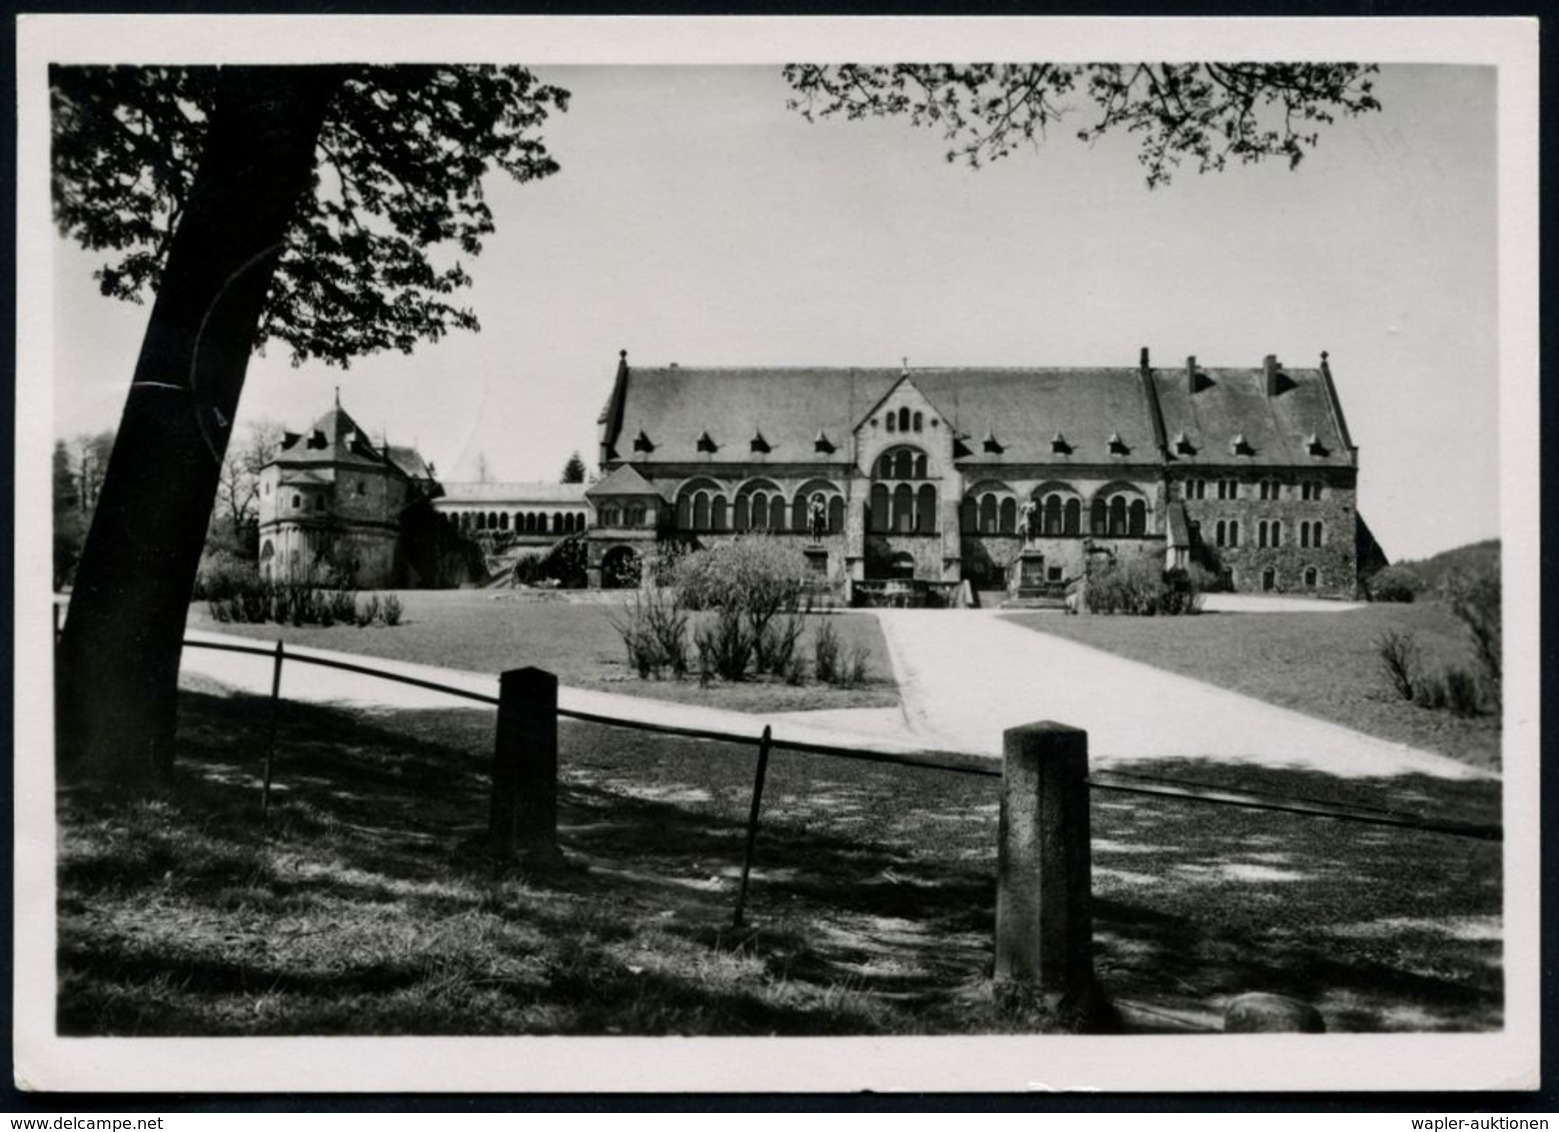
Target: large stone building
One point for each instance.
(1009, 478)
(333, 499)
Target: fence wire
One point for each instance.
(957, 762)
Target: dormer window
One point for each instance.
(960, 449)
(1117, 445)
(1060, 446)
(1240, 446)
(822, 443)
(1314, 446)
(991, 444)
(642, 443)
(757, 443)
(1183, 446)
(706, 443)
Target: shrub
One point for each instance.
(1475, 600)
(1137, 587)
(724, 645)
(224, 575)
(757, 576)
(565, 563)
(654, 631)
(1400, 661)
(368, 612)
(1394, 583)
(390, 609)
(794, 671)
(774, 645)
(1462, 696)
(1182, 591)
(528, 569)
(857, 669)
(341, 605)
(1429, 690)
(825, 651)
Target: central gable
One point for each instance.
(904, 415)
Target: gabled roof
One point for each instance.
(624, 480)
(1025, 407)
(514, 493)
(1233, 404)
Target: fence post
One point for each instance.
(524, 815)
(270, 746)
(752, 820)
(1044, 902)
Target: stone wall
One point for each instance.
(1334, 560)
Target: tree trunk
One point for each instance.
(117, 675)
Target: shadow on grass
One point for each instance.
(364, 902)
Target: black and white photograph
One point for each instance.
(974, 547)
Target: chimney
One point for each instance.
(1270, 365)
(1143, 363)
(1190, 374)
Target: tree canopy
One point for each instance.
(373, 258)
(1210, 113)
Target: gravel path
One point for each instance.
(964, 678)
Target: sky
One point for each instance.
(696, 219)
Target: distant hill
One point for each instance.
(1472, 557)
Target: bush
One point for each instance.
(223, 575)
(1140, 588)
(857, 670)
(390, 609)
(1400, 661)
(341, 605)
(1475, 600)
(774, 646)
(757, 576)
(368, 612)
(1183, 590)
(1394, 583)
(724, 645)
(794, 671)
(1462, 696)
(1429, 690)
(565, 563)
(528, 569)
(825, 652)
(654, 631)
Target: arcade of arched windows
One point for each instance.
(520, 522)
(1118, 511)
(900, 463)
(989, 508)
(759, 505)
(897, 504)
(903, 420)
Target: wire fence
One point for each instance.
(958, 762)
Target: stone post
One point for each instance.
(524, 814)
(1044, 902)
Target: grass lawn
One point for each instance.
(494, 630)
(1322, 664)
(365, 905)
